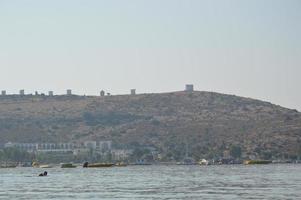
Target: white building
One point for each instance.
(101, 146)
(104, 145)
(120, 154)
(21, 146)
(41, 147)
(50, 93)
(98, 145)
(90, 144)
(81, 151)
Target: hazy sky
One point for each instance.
(249, 48)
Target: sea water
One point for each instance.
(154, 182)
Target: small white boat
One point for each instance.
(46, 166)
(204, 162)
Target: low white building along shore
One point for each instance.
(121, 154)
(41, 147)
(101, 148)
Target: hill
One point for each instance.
(207, 124)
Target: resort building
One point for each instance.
(104, 145)
(121, 154)
(80, 151)
(98, 145)
(85, 148)
(21, 146)
(41, 147)
(90, 144)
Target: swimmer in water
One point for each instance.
(43, 174)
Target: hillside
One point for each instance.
(208, 123)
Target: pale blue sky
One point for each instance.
(245, 47)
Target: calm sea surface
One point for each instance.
(154, 182)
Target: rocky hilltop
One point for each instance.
(200, 124)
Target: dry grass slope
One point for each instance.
(208, 122)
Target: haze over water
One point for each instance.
(155, 182)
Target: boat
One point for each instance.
(255, 162)
(120, 164)
(97, 165)
(38, 165)
(45, 166)
(204, 162)
(68, 165)
(35, 164)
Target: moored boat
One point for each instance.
(255, 162)
(68, 165)
(204, 162)
(38, 165)
(35, 164)
(46, 166)
(120, 164)
(96, 165)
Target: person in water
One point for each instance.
(86, 164)
(43, 174)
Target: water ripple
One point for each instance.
(154, 182)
